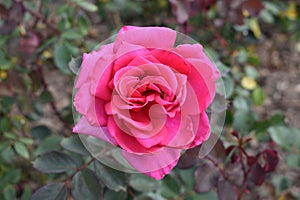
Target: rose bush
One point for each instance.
(146, 96)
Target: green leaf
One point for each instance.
(141, 182)
(295, 133)
(10, 136)
(5, 124)
(26, 193)
(5, 65)
(21, 150)
(293, 160)
(241, 103)
(75, 65)
(40, 132)
(85, 186)
(266, 16)
(45, 97)
(88, 6)
(8, 155)
(51, 143)
(75, 145)
(258, 96)
(12, 177)
(244, 120)
(27, 141)
(170, 187)
(281, 135)
(71, 34)
(225, 86)
(272, 7)
(62, 57)
(242, 56)
(110, 195)
(83, 25)
(251, 72)
(150, 196)
(187, 176)
(7, 3)
(52, 191)
(9, 192)
(113, 179)
(54, 162)
(211, 195)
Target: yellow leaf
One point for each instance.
(297, 47)
(14, 60)
(47, 54)
(291, 11)
(22, 30)
(249, 83)
(254, 26)
(3, 75)
(246, 13)
(163, 3)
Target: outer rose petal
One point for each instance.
(89, 63)
(203, 131)
(83, 127)
(195, 51)
(92, 68)
(157, 164)
(147, 37)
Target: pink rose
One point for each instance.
(146, 96)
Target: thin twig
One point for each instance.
(79, 169)
(218, 167)
(39, 16)
(52, 104)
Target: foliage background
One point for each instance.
(256, 45)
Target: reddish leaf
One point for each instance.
(201, 5)
(29, 43)
(14, 17)
(259, 170)
(7, 27)
(251, 160)
(3, 11)
(235, 134)
(234, 173)
(189, 158)
(206, 177)
(257, 174)
(252, 6)
(16, 12)
(236, 17)
(271, 159)
(218, 153)
(225, 190)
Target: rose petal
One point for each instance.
(157, 164)
(83, 127)
(195, 51)
(172, 59)
(203, 130)
(126, 141)
(207, 73)
(186, 134)
(204, 97)
(162, 136)
(84, 103)
(89, 61)
(148, 37)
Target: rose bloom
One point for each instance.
(147, 97)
